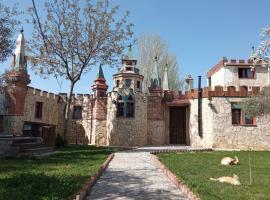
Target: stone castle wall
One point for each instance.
(218, 131)
(49, 115)
(207, 139)
(228, 136)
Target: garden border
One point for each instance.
(81, 194)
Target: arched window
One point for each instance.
(130, 107)
(125, 106)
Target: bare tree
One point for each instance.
(75, 36)
(8, 24)
(260, 105)
(149, 47)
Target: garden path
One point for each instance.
(134, 175)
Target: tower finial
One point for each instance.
(155, 80)
(22, 30)
(165, 83)
(130, 54)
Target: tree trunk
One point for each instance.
(67, 113)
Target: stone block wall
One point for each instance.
(206, 140)
(49, 115)
(80, 130)
(156, 132)
(127, 131)
(228, 136)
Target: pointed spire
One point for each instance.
(100, 87)
(155, 80)
(252, 54)
(165, 83)
(20, 58)
(100, 74)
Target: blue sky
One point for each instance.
(199, 32)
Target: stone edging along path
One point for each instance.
(81, 194)
(174, 179)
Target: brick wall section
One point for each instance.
(16, 98)
(100, 108)
(154, 107)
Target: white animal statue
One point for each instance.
(227, 179)
(229, 161)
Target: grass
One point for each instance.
(58, 176)
(196, 168)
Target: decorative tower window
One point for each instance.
(125, 106)
(138, 85)
(130, 107)
(128, 83)
(117, 83)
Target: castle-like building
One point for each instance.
(209, 117)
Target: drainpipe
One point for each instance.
(200, 106)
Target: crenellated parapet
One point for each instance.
(232, 62)
(219, 91)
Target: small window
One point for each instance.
(239, 117)
(246, 73)
(120, 109)
(128, 68)
(77, 112)
(117, 83)
(138, 85)
(128, 83)
(236, 116)
(39, 108)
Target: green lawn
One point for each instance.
(196, 168)
(58, 176)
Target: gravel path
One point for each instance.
(133, 175)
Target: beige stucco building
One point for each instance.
(209, 117)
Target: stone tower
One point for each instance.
(100, 87)
(18, 79)
(127, 105)
(155, 108)
(99, 111)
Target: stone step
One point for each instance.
(39, 150)
(23, 140)
(6, 135)
(24, 146)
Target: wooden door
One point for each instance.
(48, 135)
(178, 125)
